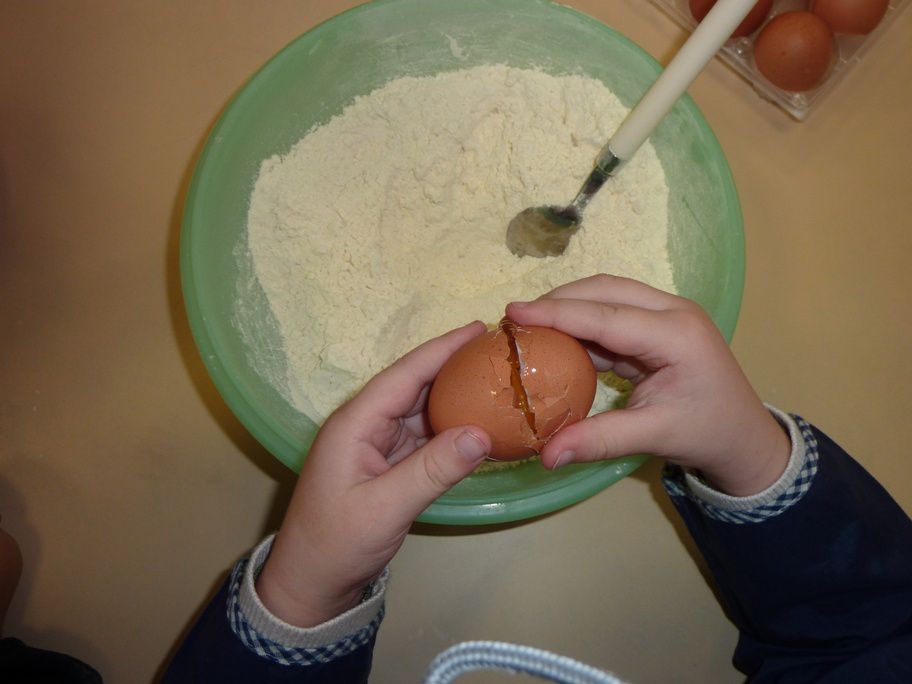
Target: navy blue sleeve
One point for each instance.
(822, 591)
(213, 653)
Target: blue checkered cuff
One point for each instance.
(778, 498)
(271, 638)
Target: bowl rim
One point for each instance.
(590, 478)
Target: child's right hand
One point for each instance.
(691, 404)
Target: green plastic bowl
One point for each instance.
(353, 53)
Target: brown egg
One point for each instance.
(794, 51)
(856, 17)
(700, 8)
(521, 384)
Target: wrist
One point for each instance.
(301, 601)
(787, 491)
(298, 588)
(268, 636)
(758, 465)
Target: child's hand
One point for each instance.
(373, 468)
(692, 403)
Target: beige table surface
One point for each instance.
(132, 488)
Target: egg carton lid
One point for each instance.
(738, 53)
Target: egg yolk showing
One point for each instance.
(521, 384)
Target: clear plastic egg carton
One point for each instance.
(738, 53)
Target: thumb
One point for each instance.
(612, 434)
(434, 469)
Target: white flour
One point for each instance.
(385, 226)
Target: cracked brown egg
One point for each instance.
(521, 384)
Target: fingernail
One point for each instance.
(563, 458)
(470, 447)
(518, 305)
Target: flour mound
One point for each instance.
(385, 226)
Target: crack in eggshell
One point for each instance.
(552, 410)
(514, 358)
(501, 390)
(561, 419)
(504, 400)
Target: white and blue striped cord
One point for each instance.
(477, 656)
